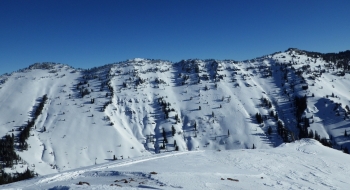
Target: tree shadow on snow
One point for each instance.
(146, 187)
(59, 188)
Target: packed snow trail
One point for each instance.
(304, 164)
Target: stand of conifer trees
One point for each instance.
(8, 155)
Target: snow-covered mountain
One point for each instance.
(142, 107)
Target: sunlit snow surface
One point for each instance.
(304, 164)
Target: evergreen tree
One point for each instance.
(317, 136)
(301, 104)
(163, 133)
(164, 136)
(259, 118)
(311, 134)
(269, 130)
(173, 131)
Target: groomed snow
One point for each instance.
(304, 164)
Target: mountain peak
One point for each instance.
(141, 107)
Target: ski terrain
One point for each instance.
(141, 114)
(304, 164)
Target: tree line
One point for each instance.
(8, 156)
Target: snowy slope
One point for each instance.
(304, 164)
(130, 106)
(72, 133)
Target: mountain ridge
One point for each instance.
(341, 54)
(141, 107)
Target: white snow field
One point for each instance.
(304, 164)
(199, 114)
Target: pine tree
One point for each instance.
(317, 136)
(311, 134)
(258, 118)
(269, 130)
(173, 131)
(164, 134)
(345, 133)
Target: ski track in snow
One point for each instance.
(286, 167)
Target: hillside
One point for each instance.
(142, 107)
(304, 164)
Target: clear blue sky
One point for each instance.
(86, 33)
